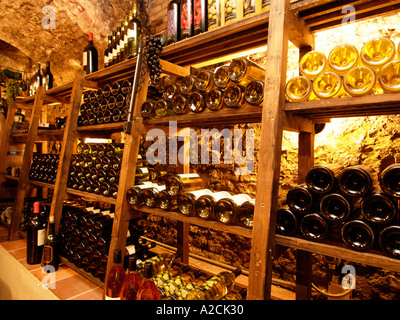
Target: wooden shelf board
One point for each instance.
(109, 127)
(370, 105)
(339, 250)
(241, 231)
(91, 196)
(41, 184)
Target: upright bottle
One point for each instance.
(50, 249)
(39, 76)
(132, 283)
(173, 22)
(134, 33)
(216, 286)
(36, 233)
(107, 53)
(200, 14)
(116, 278)
(90, 56)
(187, 27)
(148, 291)
(48, 76)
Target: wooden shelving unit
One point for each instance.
(286, 21)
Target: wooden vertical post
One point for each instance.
(26, 163)
(5, 139)
(263, 241)
(69, 137)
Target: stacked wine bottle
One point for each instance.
(106, 105)
(85, 235)
(44, 167)
(347, 71)
(188, 194)
(230, 85)
(343, 205)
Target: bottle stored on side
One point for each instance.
(176, 184)
(299, 89)
(377, 52)
(186, 201)
(389, 241)
(342, 58)
(322, 179)
(358, 235)
(205, 204)
(335, 208)
(389, 180)
(286, 222)
(242, 71)
(378, 208)
(312, 64)
(314, 227)
(300, 199)
(359, 81)
(355, 181)
(226, 210)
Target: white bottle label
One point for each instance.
(110, 298)
(202, 192)
(131, 249)
(41, 235)
(85, 59)
(220, 195)
(188, 175)
(239, 199)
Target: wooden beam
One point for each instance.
(26, 163)
(263, 242)
(66, 150)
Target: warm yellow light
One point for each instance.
(97, 140)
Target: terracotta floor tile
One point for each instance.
(62, 273)
(29, 267)
(12, 245)
(19, 254)
(72, 286)
(95, 294)
(3, 238)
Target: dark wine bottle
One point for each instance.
(300, 199)
(314, 227)
(358, 235)
(39, 76)
(116, 278)
(322, 179)
(389, 180)
(335, 208)
(355, 181)
(90, 56)
(48, 76)
(50, 249)
(389, 241)
(378, 208)
(286, 222)
(36, 233)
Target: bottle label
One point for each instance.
(239, 199)
(186, 19)
(249, 7)
(199, 193)
(41, 235)
(171, 30)
(220, 195)
(84, 59)
(188, 175)
(111, 298)
(213, 12)
(131, 249)
(230, 10)
(197, 15)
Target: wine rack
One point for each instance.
(294, 20)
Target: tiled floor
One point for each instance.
(69, 285)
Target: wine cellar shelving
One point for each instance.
(287, 20)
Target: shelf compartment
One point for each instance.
(370, 105)
(241, 231)
(92, 196)
(339, 250)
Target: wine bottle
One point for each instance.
(243, 71)
(196, 102)
(179, 183)
(234, 96)
(378, 208)
(389, 241)
(389, 180)
(90, 56)
(165, 201)
(246, 213)
(312, 64)
(135, 194)
(378, 52)
(48, 77)
(241, 295)
(355, 181)
(357, 235)
(335, 208)
(186, 201)
(254, 93)
(147, 109)
(173, 22)
(115, 279)
(299, 89)
(328, 85)
(321, 179)
(286, 222)
(314, 227)
(205, 204)
(359, 81)
(343, 58)
(149, 195)
(215, 287)
(148, 291)
(221, 76)
(214, 14)
(170, 91)
(214, 99)
(132, 283)
(107, 53)
(134, 32)
(389, 77)
(226, 209)
(35, 236)
(204, 80)
(180, 104)
(188, 84)
(187, 26)
(300, 199)
(200, 16)
(163, 108)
